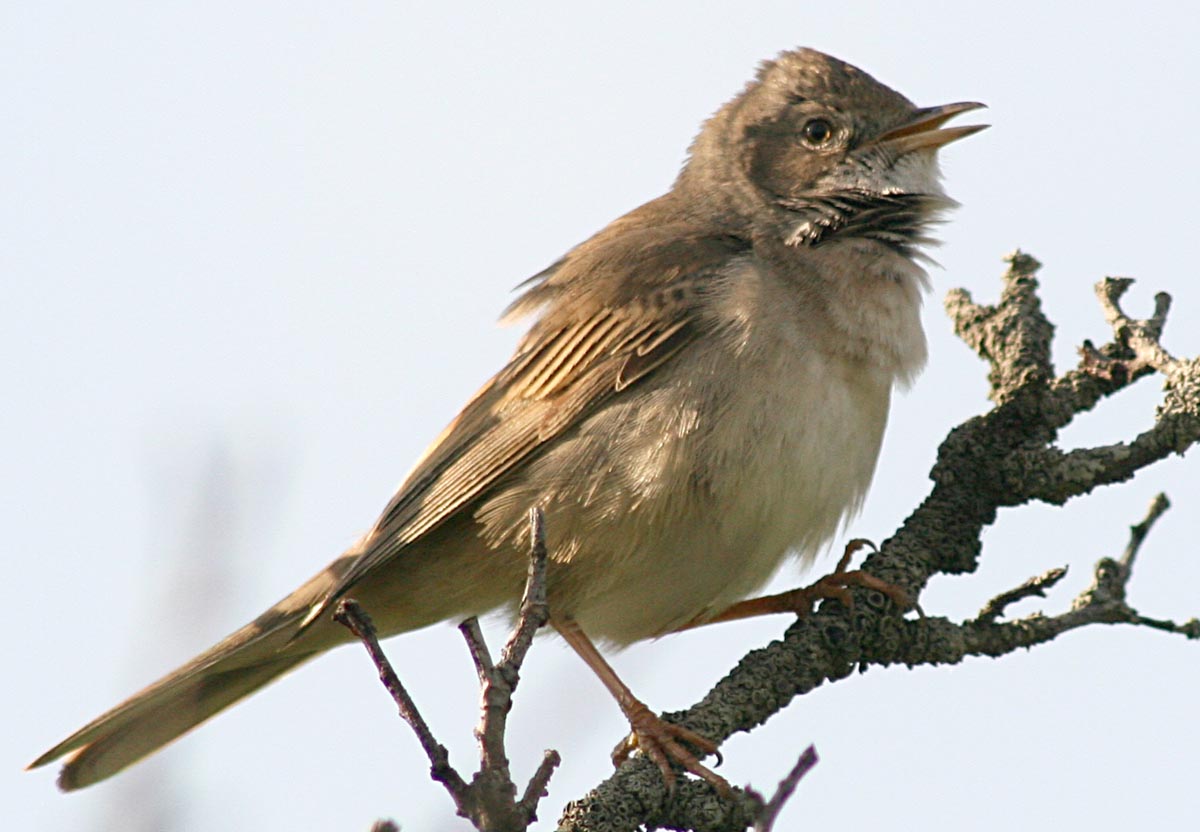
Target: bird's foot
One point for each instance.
(667, 745)
(836, 585)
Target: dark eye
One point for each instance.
(817, 132)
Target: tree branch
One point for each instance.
(1005, 457)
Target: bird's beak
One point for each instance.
(922, 130)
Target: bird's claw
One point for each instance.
(667, 745)
(836, 584)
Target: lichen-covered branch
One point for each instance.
(1034, 587)
(1005, 457)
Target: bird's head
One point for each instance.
(828, 152)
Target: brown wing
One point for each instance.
(564, 369)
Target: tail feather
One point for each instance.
(225, 673)
(119, 744)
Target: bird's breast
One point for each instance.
(736, 458)
(685, 493)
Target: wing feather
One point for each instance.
(564, 369)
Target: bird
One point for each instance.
(701, 394)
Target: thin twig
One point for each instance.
(1034, 587)
(488, 801)
(1138, 532)
(1102, 602)
(481, 657)
(536, 788)
(1140, 335)
(500, 681)
(349, 614)
(493, 788)
(770, 811)
(535, 612)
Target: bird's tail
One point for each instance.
(225, 673)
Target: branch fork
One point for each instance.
(489, 801)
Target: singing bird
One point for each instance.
(703, 390)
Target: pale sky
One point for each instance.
(252, 257)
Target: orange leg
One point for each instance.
(658, 739)
(801, 601)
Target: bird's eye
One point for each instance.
(817, 132)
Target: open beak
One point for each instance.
(924, 129)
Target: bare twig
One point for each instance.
(481, 657)
(1102, 602)
(494, 802)
(349, 614)
(489, 800)
(1141, 336)
(535, 612)
(1014, 336)
(1138, 532)
(1034, 587)
(536, 788)
(770, 810)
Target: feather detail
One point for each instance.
(565, 369)
(900, 221)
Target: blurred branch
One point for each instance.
(1005, 457)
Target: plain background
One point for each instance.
(251, 257)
